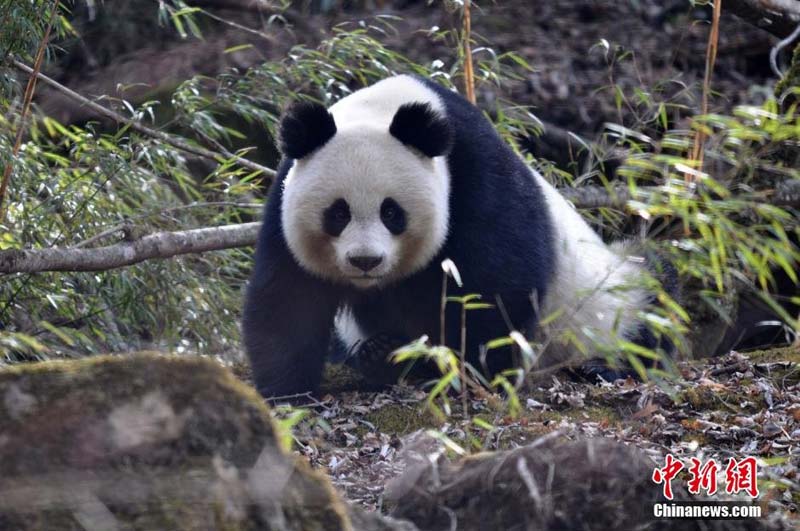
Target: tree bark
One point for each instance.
(779, 17)
(158, 245)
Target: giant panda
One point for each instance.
(373, 194)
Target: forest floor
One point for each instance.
(742, 404)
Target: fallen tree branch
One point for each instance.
(785, 194)
(779, 17)
(168, 244)
(259, 6)
(128, 224)
(158, 245)
(158, 135)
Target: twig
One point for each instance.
(158, 245)
(711, 58)
(26, 105)
(469, 73)
(100, 235)
(257, 6)
(270, 39)
(462, 366)
(773, 53)
(122, 226)
(443, 309)
(164, 137)
(227, 22)
(275, 399)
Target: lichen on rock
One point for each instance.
(149, 442)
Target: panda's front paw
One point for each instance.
(371, 358)
(594, 369)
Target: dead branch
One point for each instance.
(128, 225)
(168, 244)
(240, 5)
(596, 196)
(158, 135)
(785, 194)
(711, 57)
(158, 245)
(779, 17)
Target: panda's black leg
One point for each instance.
(599, 368)
(371, 358)
(594, 368)
(287, 329)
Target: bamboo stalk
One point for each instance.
(469, 73)
(26, 105)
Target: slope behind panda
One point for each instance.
(373, 194)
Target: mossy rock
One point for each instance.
(781, 365)
(149, 442)
(790, 354)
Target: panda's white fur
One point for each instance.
(593, 290)
(364, 164)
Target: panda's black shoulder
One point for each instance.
(271, 235)
(458, 110)
(501, 231)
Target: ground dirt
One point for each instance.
(742, 404)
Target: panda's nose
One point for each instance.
(365, 263)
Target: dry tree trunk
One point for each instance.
(779, 17)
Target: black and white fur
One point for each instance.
(373, 194)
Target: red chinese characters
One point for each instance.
(741, 476)
(665, 475)
(704, 476)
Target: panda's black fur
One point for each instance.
(500, 237)
(305, 127)
(419, 126)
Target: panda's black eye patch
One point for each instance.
(336, 217)
(393, 216)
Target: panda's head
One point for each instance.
(365, 202)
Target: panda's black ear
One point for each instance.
(419, 126)
(305, 126)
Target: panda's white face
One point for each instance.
(365, 209)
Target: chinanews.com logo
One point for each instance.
(740, 477)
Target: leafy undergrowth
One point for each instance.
(738, 405)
